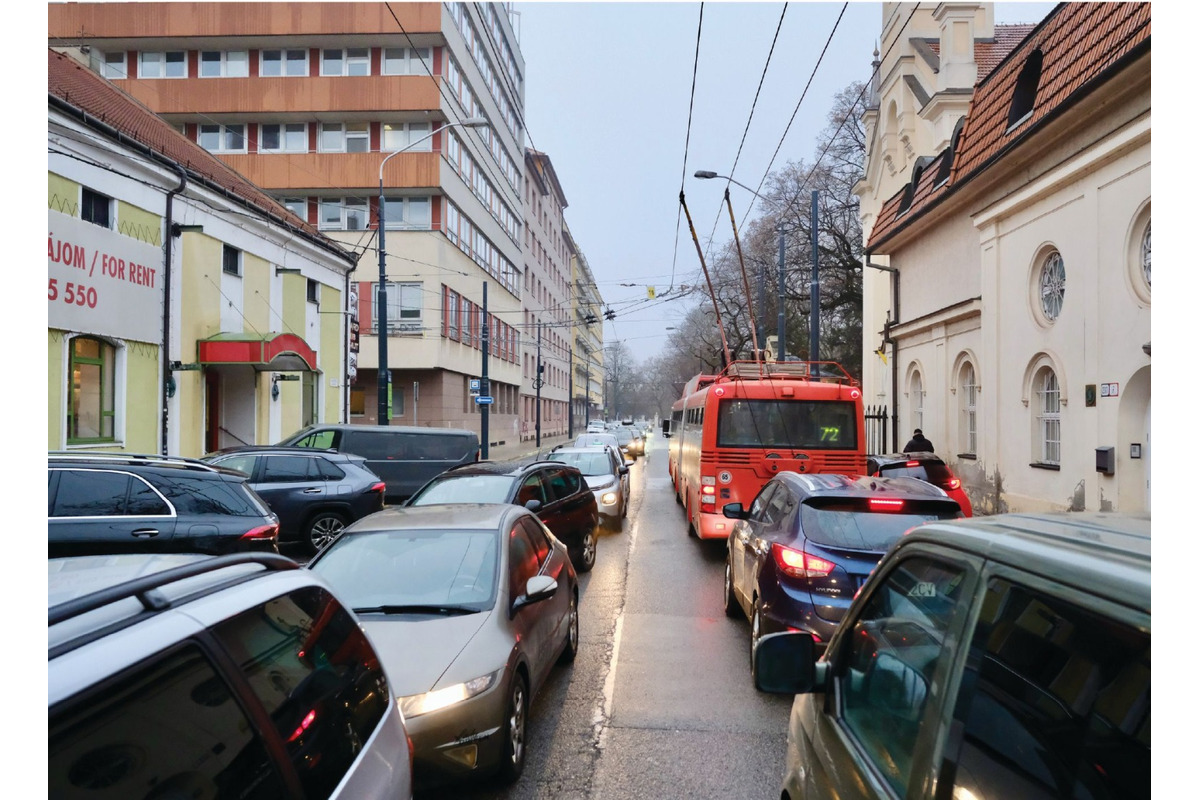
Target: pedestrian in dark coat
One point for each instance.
(918, 444)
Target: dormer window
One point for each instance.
(1025, 92)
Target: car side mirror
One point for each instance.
(624, 469)
(734, 511)
(785, 663)
(533, 505)
(537, 589)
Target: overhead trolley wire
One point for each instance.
(686, 144)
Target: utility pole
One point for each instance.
(570, 390)
(537, 384)
(782, 331)
(814, 294)
(484, 389)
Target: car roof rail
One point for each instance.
(144, 588)
(126, 458)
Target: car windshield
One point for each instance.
(853, 526)
(428, 569)
(465, 489)
(601, 440)
(587, 463)
(623, 436)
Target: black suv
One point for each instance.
(316, 493)
(556, 492)
(103, 503)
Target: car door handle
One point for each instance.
(145, 532)
(312, 491)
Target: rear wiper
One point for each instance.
(449, 611)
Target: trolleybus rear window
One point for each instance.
(791, 424)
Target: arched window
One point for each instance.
(1048, 450)
(1052, 285)
(90, 398)
(1146, 254)
(966, 398)
(916, 397)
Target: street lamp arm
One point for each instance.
(473, 122)
(704, 173)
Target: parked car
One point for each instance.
(556, 493)
(404, 458)
(607, 476)
(596, 426)
(1000, 656)
(808, 542)
(316, 493)
(177, 675)
(470, 605)
(101, 503)
(606, 439)
(927, 467)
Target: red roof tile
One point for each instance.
(86, 91)
(1080, 42)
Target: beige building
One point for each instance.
(587, 345)
(1006, 205)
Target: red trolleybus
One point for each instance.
(729, 433)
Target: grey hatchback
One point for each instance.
(996, 657)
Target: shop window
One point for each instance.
(91, 415)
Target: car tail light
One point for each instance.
(878, 504)
(799, 564)
(953, 483)
(304, 724)
(912, 464)
(262, 532)
(708, 495)
(380, 487)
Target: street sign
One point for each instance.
(483, 401)
(474, 385)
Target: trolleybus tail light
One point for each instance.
(719, 391)
(799, 564)
(708, 494)
(878, 504)
(855, 394)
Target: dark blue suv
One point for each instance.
(807, 543)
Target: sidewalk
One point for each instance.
(512, 450)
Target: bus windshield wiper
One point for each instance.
(418, 609)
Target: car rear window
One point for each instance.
(209, 495)
(465, 489)
(587, 463)
(855, 526)
(320, 680)
(937, 474)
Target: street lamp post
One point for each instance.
(384, 373)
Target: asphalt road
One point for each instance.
(659, 702)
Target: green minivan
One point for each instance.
(1004, 656)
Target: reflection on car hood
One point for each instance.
(416, 649)
(599, 481)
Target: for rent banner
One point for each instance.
(102, 282)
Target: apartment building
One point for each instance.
(587, 350)
(548, 301)
(328, 106)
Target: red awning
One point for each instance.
(282, 352)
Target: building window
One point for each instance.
(406, 61)
(297, 205)
(343, 213)
(313, 292)
(231, 260)
(337, 137)
(291, 137)
(354, 61)
(1049, 422)
(407, 213)
(404, 305)
(358, 401)
(223, 138)
(1146, 254)
(280, 63)
(224, 64)
(96, 208)
(90, 412)
(916, 397)
(414, 135)
(1025, 92)
(171, 64)
(452, 314)
(967, 395)
(112, 66)
(1052, 285)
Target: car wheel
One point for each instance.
(323, 529)
(572, 645)
(731, 605)
(512, 754)
(585, 556)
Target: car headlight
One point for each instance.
(608, 497)
(417, 704)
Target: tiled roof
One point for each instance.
(1080, 42)
(86, 91)
(989, 54)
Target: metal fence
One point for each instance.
(876, 423)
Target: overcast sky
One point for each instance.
(607, 89)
